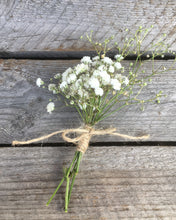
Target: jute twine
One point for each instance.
(83, 138)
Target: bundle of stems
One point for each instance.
(69, 175)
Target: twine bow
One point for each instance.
(83, 139)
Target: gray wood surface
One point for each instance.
(23, 106)
(57, 25)
(114, 183)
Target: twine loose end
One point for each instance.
(15, 143)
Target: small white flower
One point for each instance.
(65, 74)
(57, 76)
(94, 64)
(115, 84)
(50, 107)
(111, 69)
(105, 77)
(96, 73)
(107, 60)
(99, 91)
(86, 94)
(86, 59)
(118, 76)
(71, 78)
(73, 90)
(125, 80)
(78, 83)
(87, 75)
(118, 65)
(63, 85)
(80, 93)
(80, 68)
(69, 70)
(102, 68)
(86, 84)
(94, 83)
(52, 87)
(118, 57)
(39, 82)
(96, 58)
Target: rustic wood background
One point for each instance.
(118, 179)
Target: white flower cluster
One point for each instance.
(91, 78)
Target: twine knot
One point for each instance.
(82, 140)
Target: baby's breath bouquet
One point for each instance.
(100, 86)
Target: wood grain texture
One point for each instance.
(23, 106)
(113, 183)
(57, 25)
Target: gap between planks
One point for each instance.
(72, 55)
(99, 144)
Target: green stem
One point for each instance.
(104, 98)
(122, 106)
(75, 171)
(103, 116)
(68, 181)
(69, 169)
(66, 194)
(73, 179)
(55, 191)
(79, 112)
(71, 187)
(65, 176)
(78, 162)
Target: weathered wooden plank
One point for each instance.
(113, 183)
(23, 106)
(57, 25)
